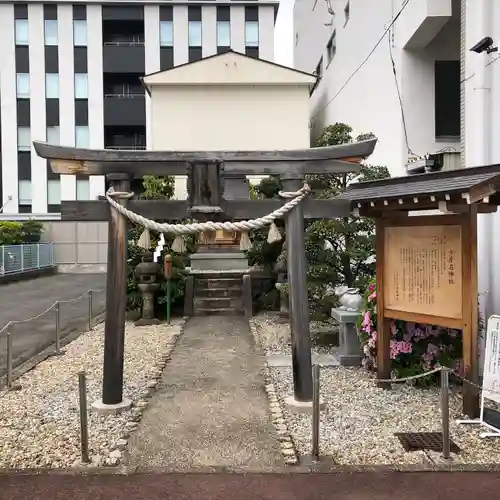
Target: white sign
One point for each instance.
(491, 375)
(491, 371)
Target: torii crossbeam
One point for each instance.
(121, 166)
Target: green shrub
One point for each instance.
(32, 231)
(11, 233)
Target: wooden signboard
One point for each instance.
(427, 273)
(422, 272)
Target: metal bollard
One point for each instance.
(84, 433)
(58, 327)
(90, 309)
(9, 361)
(445, 411)
(315, 414)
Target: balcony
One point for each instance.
(122, 137)
(123, 56)
(124, 109)
(422, 20)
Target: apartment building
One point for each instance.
(69, 74)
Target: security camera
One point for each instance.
(484, 45)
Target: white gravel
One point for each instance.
(359, 420)
(39, 425)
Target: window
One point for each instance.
(166, 34)
(53, 192)
(52, 86)
(82, 136)
(22, 32)
(447, 99)
(223, 34)
(50, 32)
(347, 12)
(319, 69)
(24, 192)
(251, 33)
(331, 47)
(81, 86)
(23, 139)
(194, 33)
(82, 189)
(23, 85)
(80, 33)
(53, 135)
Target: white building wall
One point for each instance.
(209, 30)
(9, 110)
(369, 102)
(66, 92)
(37, 107)
(96, 95)
(151, 54)
(266, 32)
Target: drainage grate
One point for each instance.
(413, 441)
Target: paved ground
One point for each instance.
(210, 409)
(27, 299)
(358, 486)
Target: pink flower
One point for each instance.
(371, 288)
(400, 347)
(373, 296)
(367, 324)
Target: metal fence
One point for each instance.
(23, 340)
(19, 258)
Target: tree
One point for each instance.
(339, 251)
(342, 249)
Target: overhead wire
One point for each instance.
(367, 58)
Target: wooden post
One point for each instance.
(470, 312)
(383, 325)
(298, 301)
(114, 330)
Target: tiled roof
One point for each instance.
(444, 182)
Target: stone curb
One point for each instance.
(116, 457)
(287, 446)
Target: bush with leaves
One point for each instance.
(157, 188)
(339, 251)
(17, 233)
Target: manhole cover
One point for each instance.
(413, 441)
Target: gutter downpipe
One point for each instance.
(482, 156)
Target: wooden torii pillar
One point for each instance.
(120, 167)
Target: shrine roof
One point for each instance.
(434, 184)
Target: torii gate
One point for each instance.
(121, 166)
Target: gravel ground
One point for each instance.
(359, 420)
(39, 425)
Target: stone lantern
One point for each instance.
(281, 282)
(147, 276)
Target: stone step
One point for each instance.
(204, 283)
(218, 292)
(219, 312)
(218, 275)
(217, 303)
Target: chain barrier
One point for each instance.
(444, 403)
(182, 229)
(55, 340)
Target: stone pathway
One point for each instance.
(210, 409)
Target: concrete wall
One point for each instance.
(78, 246)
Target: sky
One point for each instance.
(283, 34)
